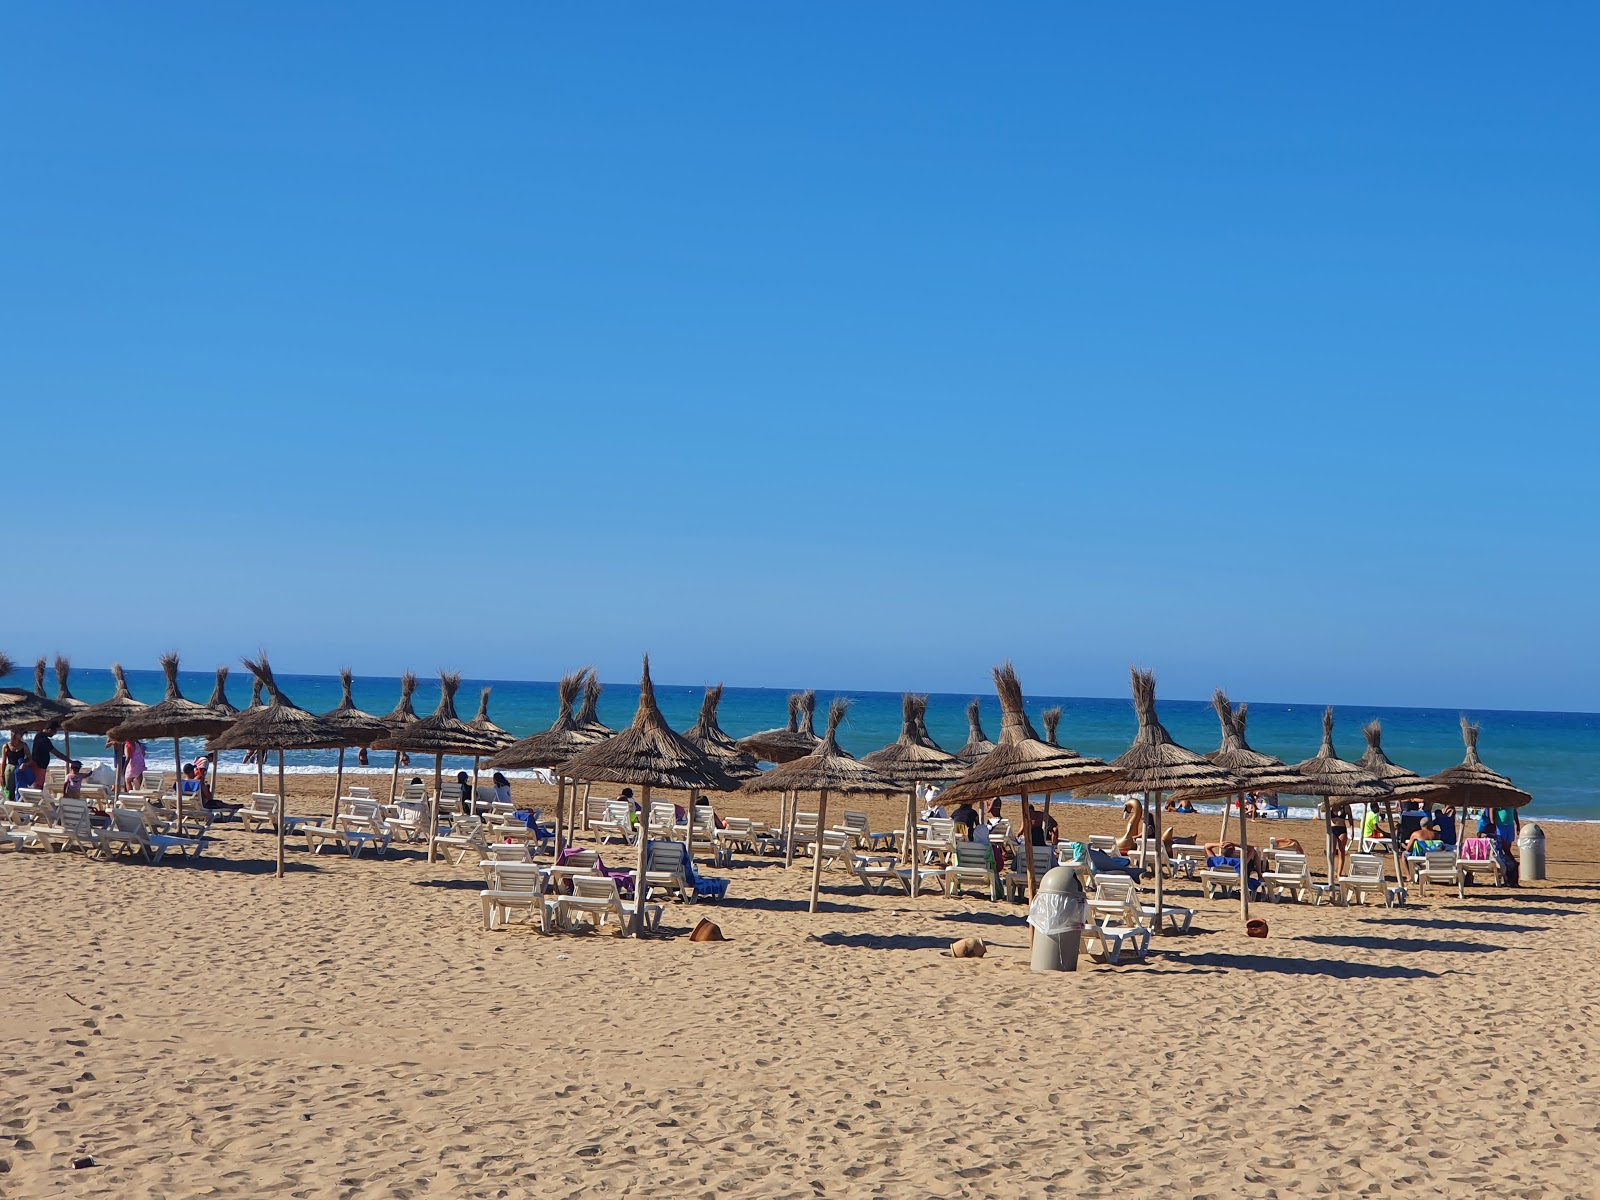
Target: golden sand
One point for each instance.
(351, 1031)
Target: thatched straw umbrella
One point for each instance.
(102, 718)
(589, 714)
(360, 728)
(710, 737)
(175, 717)
(826, 769)
(978, 743)
(785, 745)
(441, 732)
(223, 707)
(1331, 777)
(1155, 763)
(64, 695)
(914, 758)
(1471, 784)
(1405, 785)
(649, 753)
(255, 703)
(26, 710)
(550, 748)
(499, 738)
(1254, 771)
(280, 725)
(1022, 764)
(399, 717)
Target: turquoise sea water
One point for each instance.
(1554, 756)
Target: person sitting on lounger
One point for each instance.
(1424, 840)
(1133, 828)
(966, 819)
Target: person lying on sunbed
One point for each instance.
(1425, 840)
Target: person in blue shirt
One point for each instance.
(1444, 820)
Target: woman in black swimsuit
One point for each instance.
(1339, 824)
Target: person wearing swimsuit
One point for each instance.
(1339, 824)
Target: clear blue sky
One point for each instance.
(847, 345)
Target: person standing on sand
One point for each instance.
(44, 750)
(1339, 825)
(133, 766)
(13, 755)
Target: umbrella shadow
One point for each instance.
(241, 866)
(1361, 942)
(451, 885)
(986, 917)
(1522, 910)
(1447, 923)
(882, 941)
(1268, 964)
(780, 904)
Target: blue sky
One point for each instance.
(847, 345)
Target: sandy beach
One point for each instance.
(203, 1029)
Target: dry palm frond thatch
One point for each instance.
(360, 728)
(63, 691)
(441, 731)
(28, 710)
(500, 737)
(1256, 772)
(1406, 785)
(978, 743)
(403, 713)
(1157, 763)
(649, 752)
(913, 758)
(550, 747)
(108, 714)
(589, 714)
(219, 702)
(280, 724)
(786, 744)
(176, 716)
(1020, 763)
(1335, 778)
(1473, 785)
(709, 736)
(1052, 725)
(828, 768)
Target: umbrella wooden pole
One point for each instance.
(116, 757)
(283, 811)
(1153, 799)
(394, 779)
(338, 786)
(561, 794)
(261, 771)
(1244, 863)
(585, 804)
(910, 832)
(476, 759)
(1327, 834)
(788, 830)
(1027, 852)
(433, 807)
(916, 854)
(816, 849)
(1394, 841)
(688, 828)
(177, 786)
(639, 889)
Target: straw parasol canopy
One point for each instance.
(219, 702)
(709, 736)
(1333, 777)
(1254, 771)
(914, 757)
(1157, 763)
(549, 747)
(1052, 726)
(1021, 763)
(650, 753)
(23, 710)
(826, 769)
(63, 691)
(108, 714)
(501, 737)
(360, 728)
(403, 713)
(786, 744)
(442, 731)
(1406, 785)
(279, 725)
(255, 695)
(978, 743)
(175, 717)
(1473, 785)
(589, 714)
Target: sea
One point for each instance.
(1554, 756)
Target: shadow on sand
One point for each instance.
(1447, 923)
(1269, 965)
(1412, 945)
(883, 941)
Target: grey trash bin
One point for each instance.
(1057, 918)
(1530, 853)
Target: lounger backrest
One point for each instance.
(618, 811)
(415, 791)
(1441, 862)
(581, 858)
(1366, 866)
(517, 877)
(266, 802)
(1103, 842)
(972, 856)
(665, 856)
(598, 808)
(516, 852)
(129, 821)
(856, 822)
(740, 826)
(73, 816)
(942, 828)
(361, 793)
(596, 887)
